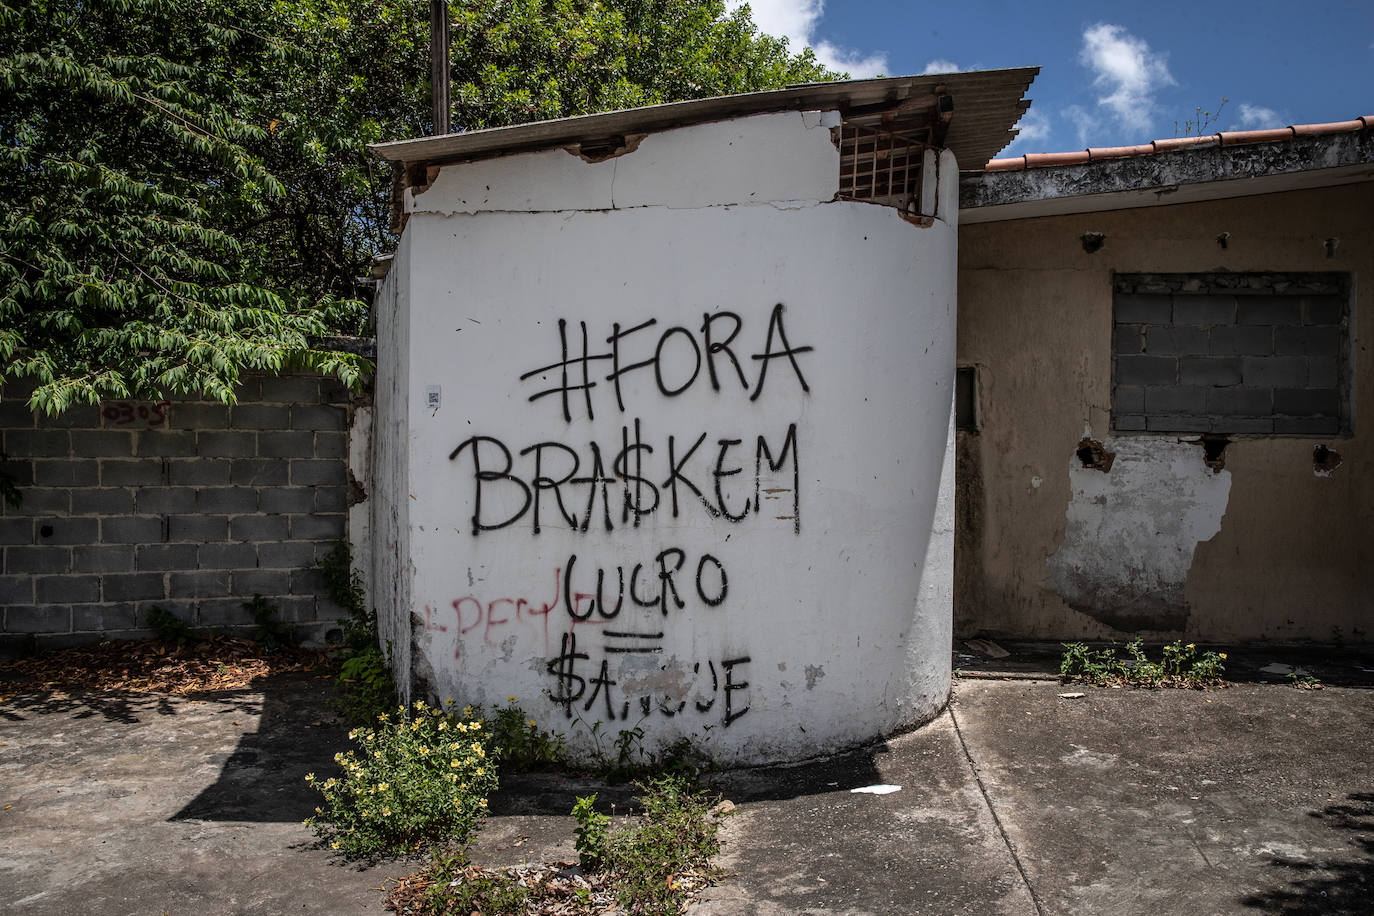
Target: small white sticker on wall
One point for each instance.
(433, 394)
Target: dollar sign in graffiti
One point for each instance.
(571, 685)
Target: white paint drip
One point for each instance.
(880, 789)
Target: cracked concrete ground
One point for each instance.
(1254, 799)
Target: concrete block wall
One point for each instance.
(187, 505)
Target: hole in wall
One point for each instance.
(1325, 460)
(1093, 241)
(1092, 455)
(1213, 451)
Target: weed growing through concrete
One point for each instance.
(1180, 666)
(523, 745)
(1303, 681)
(365, 687)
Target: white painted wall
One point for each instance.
(834, 626)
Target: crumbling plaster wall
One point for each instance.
(1292, 559)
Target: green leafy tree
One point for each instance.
(186, 188)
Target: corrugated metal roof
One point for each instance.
(987, 105)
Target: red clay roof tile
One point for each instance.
(1236, 137)
(1034, 160)
(1119, 152)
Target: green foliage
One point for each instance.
(1180, 666)
(522, 744)
(1303, 681)
(420, 777)
(593, 833)
(365, 686)
(168, 627)
(272, 633)
(628, 758)
(459, 888)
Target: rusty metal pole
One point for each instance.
(438, 63)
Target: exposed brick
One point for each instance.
(134, 529)
(1243, 425)
(153, 557)
(78, 473)
(1307, 426)
(146, 472)
(67, 589)
(16, 531)
(309, 581)
(1178, 423)
(43, 501)
(331, 445)
(104, 617)
(103, 501)
(332, 499)
(1175, 400)
(286, 444)
(1323, 373)
(198, 528)
(258, 528)
(317, 472)
(66, 530)
(166, 501)
(286, 554)
(204, 583)
(1269, 310)
(1210, 370)
(1240, 401)
(259, 472)
(50, 619)
(16, 590)
(260, 416)
(1146, 370)
(1167, 341)
(1323, 309)
(1142, 309)
(164, 443)
(1274, 371)
(317, 527)
(287, 499)
(228, 556)
(37, 443)
(291, 389)
(111, 558)
(260, 582)
(102, 443)
(222, 444)
(133, 586)
(199, 415)
(1303, 402)
(1256, 340)
(1204, 310)
(1320, 341)
(224, 612)
(228, 500)
(199, 472)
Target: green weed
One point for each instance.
(1180, 666)
(168, 627)
(365, 685)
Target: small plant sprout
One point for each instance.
(1180, 666)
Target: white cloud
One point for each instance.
(1257, 117)
(1130, 72)
(796, 21)
(940, 65)
(1085, 122)
(1034, 131)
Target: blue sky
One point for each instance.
(1112, 73)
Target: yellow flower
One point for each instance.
(383, 717)
(511, 698)
(386, 812)
(453, 746)
(1192, 645)
(443, 726)
(333, 845)
(353, 734)
(1222, 655)
(381, 787)
(530, 723)
(476, 747)
(479, 771)
(309, 777)
(423, 750)
(467, 710)
(453, 763)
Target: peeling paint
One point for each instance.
(1131, 533)
(813, 675)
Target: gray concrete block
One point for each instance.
(77, 473)
(1146, 370)
(198, 528)
(18, 530)
(1323, 373)
(1307, 426)
(224, 612)
(105, 558)
(43, 501)
(291, 389)
(260, 582)
(286, 554)
(1137, 308)
(166, 501)
(102, 443)
(133, 586)
(1253, 340)
(215, 443)
(1204, 310)
(297, 608)
(227, 500)
(164, 443)
(159, 557)
(228, 556)
(259, 472)
(260, 416)
(15, 414)
(259, 527)
(16, 590)
(67, 530)
(104, 617)
(311, 472)
(1178, 423)
(1323, 309)
(1274, 371)
(1304, 402)
(67, 589)
(1269, 310)
(1241, 401)
(1318, 341)
(286, 444)
(203, 583)
(1210, 370)
(133, 529)
(1128, 338)
(19, 471)
(1252, 426)
(331, 445)
(144, 472)
(1169, 341)
(103, 501)
(331, 499)
(317, 416)
(198, 415)
(38, 443)
(309, 581)
(48, 619)
(333, 391)
(199, 472)
(1175, 399)
(286, 499)
(317, 527)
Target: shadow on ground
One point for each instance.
(1327, 887)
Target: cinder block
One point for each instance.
(49, 619)
(259, 582)
(198, 415)
(317, 527)
(198, 528)
(105, 558)
(1240, 400)
(296, 608)
(1137, 308)
(1168, 341)
(258, 528)
(1176, 399)
(17, 530)
(258, 472)
(1323, 373)
(317, 416)
(228, 556)
(333, 391)
(16, 590)
(224, 612)
(67, 530)
(1128, 338)
(1146, 370)
(1318, 341)
(1210, 370)
(311, 472)
(156, 557)
(103, 501)
(164, 443)
(227, 500)
(286, 499)
(249, 388)
(133, 586)
(1178, 423)
(15, 414)
(260, 416)
(67, 589)
(104, 617)
(331, 499)
(1307, 426)
(144, 472)
(166, 501)
(1269, 310)
(38, 443)
(291, 389)
(77, 473)
(286, 444)
(102, 443)
(204, 583)
(309, 581)
(331, 445)
(1323, 309)
(1243, 426)
(221, 444)
(133, 529)
(1304, 402)
(286, 554)
(199, 472)
(19, 471)
(1255, 340)
(1274, 371)
(1201, 311)
(78, 416)
(43, 501)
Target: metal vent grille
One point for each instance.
(881, 166)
